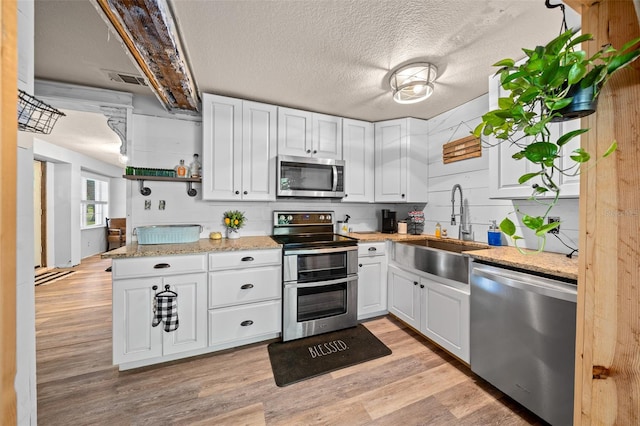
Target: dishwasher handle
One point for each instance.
(526, 282)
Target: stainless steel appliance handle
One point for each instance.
(512, 279)
(319, 250)
(335, 178)
(321, 283)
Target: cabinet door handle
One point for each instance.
(246, 286)
(415, 283)
(246, 323)
(421, 285)
(247, 259)
(402, 195)
(315, 152)
(245, 192)
(308, 151)
(161, 266)
(372, 249)
(360, 265)
(237, 192)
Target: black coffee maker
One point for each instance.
(389, 223)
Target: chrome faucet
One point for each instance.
(463, 232)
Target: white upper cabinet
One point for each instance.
(358, 154)
(401, 160)
(306, 134)
(505, 171)
(239, 149)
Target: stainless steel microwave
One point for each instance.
(310, 177)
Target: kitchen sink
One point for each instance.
(441, 258)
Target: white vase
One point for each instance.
(233, 234)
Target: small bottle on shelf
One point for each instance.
(181, 170)
(438, 230)
(195, 167)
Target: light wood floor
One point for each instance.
(418, 384)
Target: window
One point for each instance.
(94, 202)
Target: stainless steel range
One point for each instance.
(319, 273)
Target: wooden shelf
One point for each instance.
(191, 191)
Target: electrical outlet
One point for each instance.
(553, 219)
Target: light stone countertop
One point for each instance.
(556, 264)
(203, 245)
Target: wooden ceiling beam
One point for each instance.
(149, 32)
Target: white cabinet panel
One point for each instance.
(192, 314)
(221, 143)
(233, 287)
(358, 154)
(237, 323)
(327, 136)
(259, 150)
(404, 295)
(446, 317)
(401, 160)
(244, 259)
(306, 134)
(159, 266)
(133, 337)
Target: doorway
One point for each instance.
(39, 214)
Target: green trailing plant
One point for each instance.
(539, 88)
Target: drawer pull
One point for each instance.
(161, 266)
(360, 265)
(247, 259)
(246, 323)
(246, 286)
(372, 249)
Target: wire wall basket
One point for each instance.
(36, 116)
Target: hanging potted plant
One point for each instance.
(555, 82)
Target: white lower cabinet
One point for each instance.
(437, 308)
(245, 298)
(237, 302)
(404, 295)
(134, 337)
(445, 318)
(372, 280)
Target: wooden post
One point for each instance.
(608, 318)
(8, 158)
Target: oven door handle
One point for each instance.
(320, 250)
(321, 283)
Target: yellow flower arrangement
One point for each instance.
(234, 219)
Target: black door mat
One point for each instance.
(309, 357)
(51, 276)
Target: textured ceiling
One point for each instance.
(329, 56)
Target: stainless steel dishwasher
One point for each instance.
(523, 329)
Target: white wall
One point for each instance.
(25, 379)
(67, 244)
(473, 175)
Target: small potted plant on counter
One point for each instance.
(234, 220)
(544, 88)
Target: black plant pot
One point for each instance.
(583, 104)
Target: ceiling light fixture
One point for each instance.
(413, 83)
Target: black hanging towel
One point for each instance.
(165, 308)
